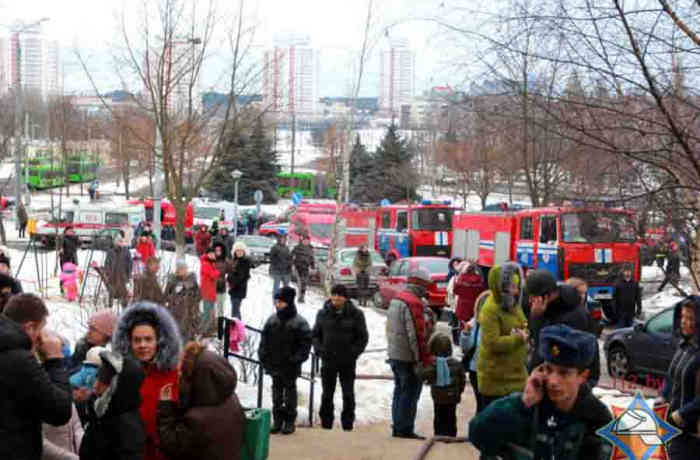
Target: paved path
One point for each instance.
(373, 442)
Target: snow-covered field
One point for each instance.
(374, 396)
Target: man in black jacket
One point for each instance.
(280, 264)
(285, 344)
(303, 260)
(627, 299)
(30, 393)
(339, 337)
(557, 304)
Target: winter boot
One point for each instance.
(301, 297)
(327, 424)
(276, 426)
(288, 427)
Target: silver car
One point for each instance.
(341, 271)
(258, 248)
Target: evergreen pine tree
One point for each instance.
(395, 177)
(256, 158)
(361, 172)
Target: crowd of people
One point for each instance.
(132, 389)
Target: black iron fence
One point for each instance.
(311, 377)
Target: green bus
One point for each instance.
(82, 168)
(305, 185)
(43, 172)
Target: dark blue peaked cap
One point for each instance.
(562, 345)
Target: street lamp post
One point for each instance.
(236, 175)
(19, 111)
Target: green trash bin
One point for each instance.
(256, 443)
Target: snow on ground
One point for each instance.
(70, 320)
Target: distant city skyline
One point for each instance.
(335, 28)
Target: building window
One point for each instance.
(526, 228)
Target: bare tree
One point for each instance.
(165, 55)
(641, 115)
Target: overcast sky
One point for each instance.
(335, 28)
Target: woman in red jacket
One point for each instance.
(149, 333)
(468, 285)
(208, 275)
(146, 248)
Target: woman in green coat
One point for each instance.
(501, 367)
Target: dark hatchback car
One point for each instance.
(646, 348)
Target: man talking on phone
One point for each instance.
(556, 416)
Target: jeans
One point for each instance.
(236, 307)
(684, 447)
(445, 419)
(625, 319)
(208, 318)
(302, 281)
(284, 398)
(407, 388)
(276, 281)
(220, 303)
(330, 372)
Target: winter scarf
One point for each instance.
(443, 372)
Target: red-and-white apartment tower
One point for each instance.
(397, 64)
(290, 77)
(30, 60)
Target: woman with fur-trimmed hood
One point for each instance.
(501, 368)
(149, 333)
(207, 421)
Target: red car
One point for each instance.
(398, 275)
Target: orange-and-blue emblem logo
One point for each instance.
(639, 432)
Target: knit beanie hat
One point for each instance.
(286, 295)
(103, 321)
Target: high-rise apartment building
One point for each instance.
(397, 63)
(30, 60)
(290, 77)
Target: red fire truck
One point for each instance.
(406, 230)
(589, 243)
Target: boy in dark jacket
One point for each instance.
(115, 430)
(447, 381)
(627, 299)
(285, 344)
(339, 337)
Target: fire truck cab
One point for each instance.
(593, 244)
(406, 230)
